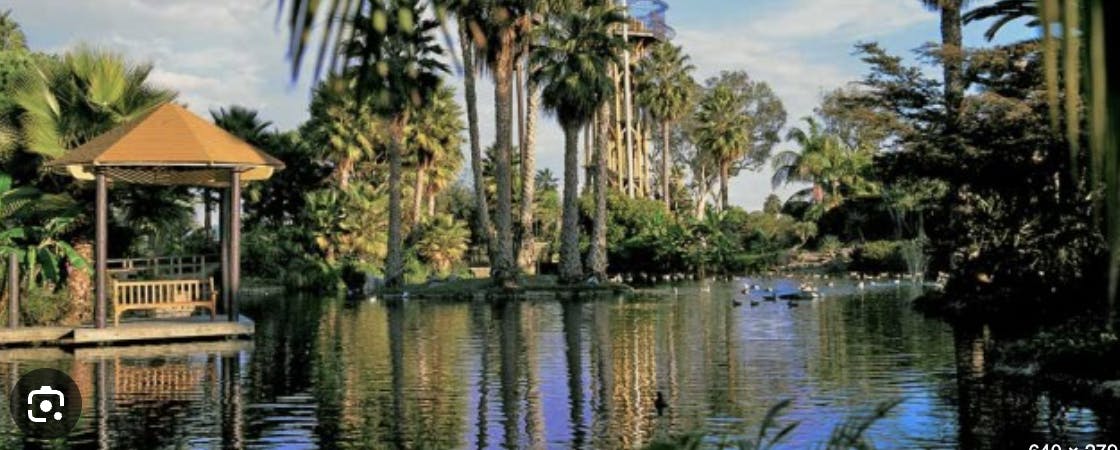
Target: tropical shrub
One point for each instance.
(878, 256)
(829, 245)
(43, 306)
(443, 242)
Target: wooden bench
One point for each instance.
(162, 294)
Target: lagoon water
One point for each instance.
(555, 372)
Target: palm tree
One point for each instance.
(65, 102)
(824, 160)
(722, 133)
(11, 37)
(433, 137)
(502, 21)
(665, 91)
(545, 180)
(244, 123)
(484, 229)
(444, 242)
(347, 125)
(397, 72)
(789, 165)
(536, 11)
(952, 48)
(1004, 11)
(571, 68)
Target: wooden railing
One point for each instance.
(162, 294)
(196, 266)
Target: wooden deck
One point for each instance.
(145, 351)
(138, 331)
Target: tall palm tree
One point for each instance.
(433, 137)
(537, 11)
(571, 68)
(503, 21)
(952, 58)
(665, 91)
(1004, 11)
(722, 133)
(483, 228)
(397, 72)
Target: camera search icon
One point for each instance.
(45, 403)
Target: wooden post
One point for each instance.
(234, 242)
(101, 243)
(223, 242)
(13, 290)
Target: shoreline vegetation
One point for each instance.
(469, 288)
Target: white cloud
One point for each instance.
(214, 52)
(844, 20)
(801, 49)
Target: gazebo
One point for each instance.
(170, 146)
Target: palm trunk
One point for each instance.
(80, 285)
(504, 267)
(431, 205)
(643, 160)
(588, 173)
(394, 261)
(665, 166)
(597, 256)
(952, 47)
(703, 192)
(723, 176)
(570, 267)
(619, 147)
(418, 194)
(483, 230)
(527, 254)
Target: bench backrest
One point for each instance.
(157, 292)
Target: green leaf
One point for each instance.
(50, 265)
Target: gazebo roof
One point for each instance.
(168, 146)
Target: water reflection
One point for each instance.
(546, 372)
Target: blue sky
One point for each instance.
(222, 52)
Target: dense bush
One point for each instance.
(285, 255)
(643, 238)
(878, 256)
(42, 306)
(859, 219)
